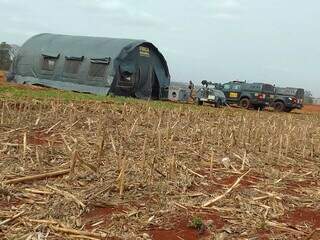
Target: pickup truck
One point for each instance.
(248, 95)
(288, 99)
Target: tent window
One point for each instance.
(98, 70)
(72, 66)
(48, 63)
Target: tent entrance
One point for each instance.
(147, 84)
(155, 93)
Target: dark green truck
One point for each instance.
(248, 95)
(288, 99)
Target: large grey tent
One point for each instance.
(93, 64)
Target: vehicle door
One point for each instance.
(267, 94)
(226, 90)
(300, 96)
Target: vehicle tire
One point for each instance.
(199, 103)
(287, 110)
(279, 107)
(218, 104)
(245, 103)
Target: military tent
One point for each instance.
(96, 65)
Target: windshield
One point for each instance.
(297, 92)
(268, 88)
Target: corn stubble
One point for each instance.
(153, 163)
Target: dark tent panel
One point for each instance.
(93, 64)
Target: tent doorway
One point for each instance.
(155, 93)
(146, 84)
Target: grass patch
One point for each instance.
(22, 92)
(197, 223)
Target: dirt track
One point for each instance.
(311, 108)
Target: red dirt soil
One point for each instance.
(228, 181)
(181, 228)
(245, 182)
(293, 188)
(311, 108)
(41, 138)
(304, 215)
(177, 234)
(99, 214)
(306, 183)
(4, 204)
(264, 234)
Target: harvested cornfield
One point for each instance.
(107, 170)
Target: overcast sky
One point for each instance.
(275, 41)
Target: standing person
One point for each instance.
(191, 87)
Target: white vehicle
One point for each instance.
(208, 94)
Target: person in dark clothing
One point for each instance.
(191, 87)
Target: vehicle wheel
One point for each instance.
(279, 107)
(288, 110)
(245, 103)
(199, 103)
(218, 104)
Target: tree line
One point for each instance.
(5, 56)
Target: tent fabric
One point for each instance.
(133, 67)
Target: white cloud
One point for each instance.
(109, 5)
(224, 9)
(125, 12)
(227, 4)
(224, 16)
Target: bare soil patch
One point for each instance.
(180, 227)
(301, 216)
(311, 108)
(43, 138)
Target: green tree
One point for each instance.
(5, 60)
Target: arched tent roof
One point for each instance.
(78, 46)
(126, 67)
